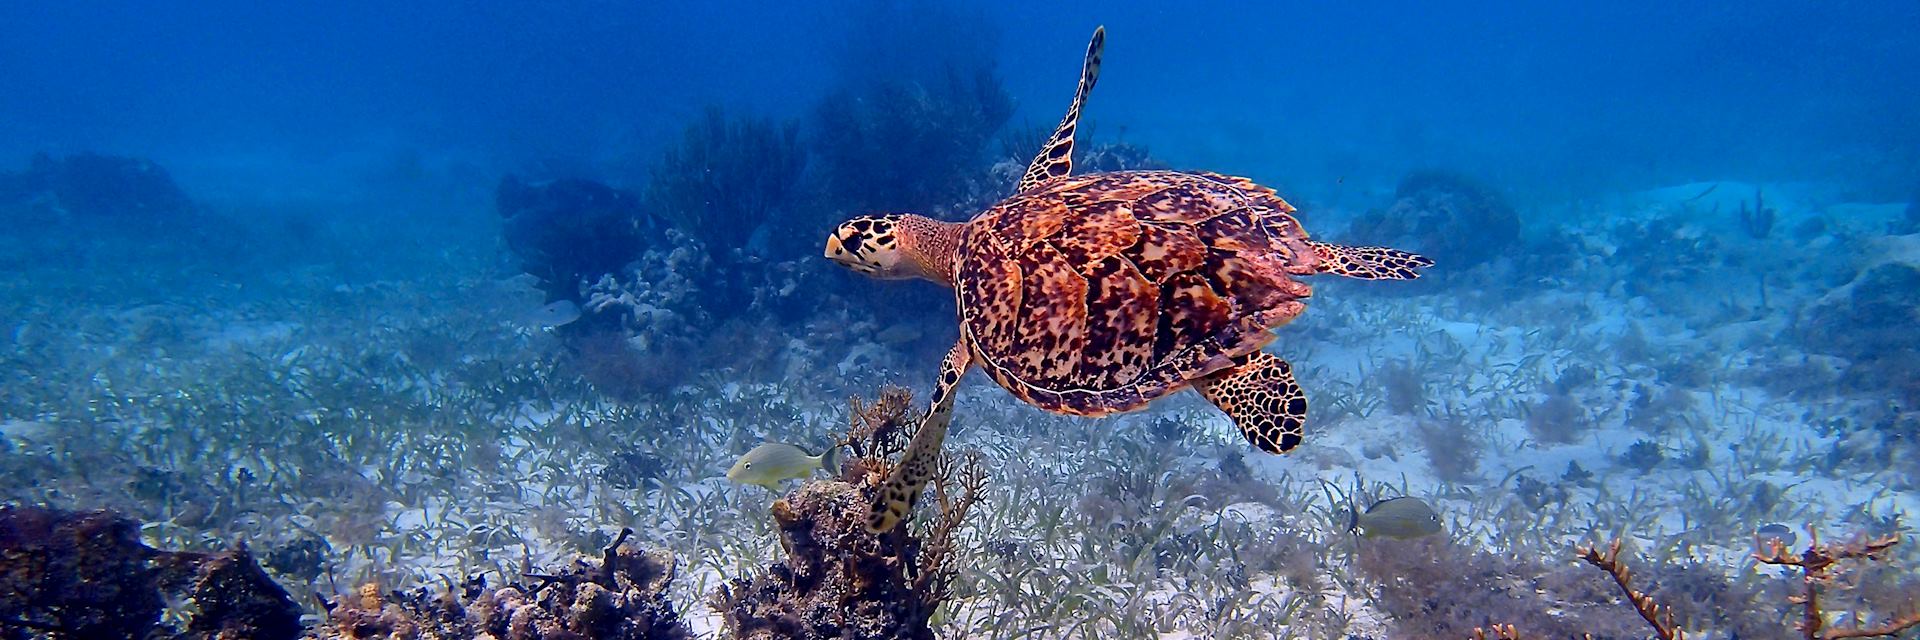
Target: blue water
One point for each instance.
(466, 285)
(1624, 91)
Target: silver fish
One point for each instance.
(772, 463)
(1402, 518)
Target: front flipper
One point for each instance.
(1369, 263)
(1259, 393)
(920, 461)
(1056, 156)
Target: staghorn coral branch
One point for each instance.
(1888, 628)
(1497, 632)
(1815, 565)
(1661, 618)
(934, 579)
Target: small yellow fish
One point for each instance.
(1402, 518)
(772, 463)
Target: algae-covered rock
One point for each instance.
(567, 231)
(621, 595)
(837, 581)
(1455, 220)
(95, 186)
(1869, 320)
(86, 575)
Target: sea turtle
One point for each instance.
(1096, 294)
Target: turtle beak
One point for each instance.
(834, 249)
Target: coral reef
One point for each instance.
(732, 182)
(1869, 321)
(83, 574)
(228, 596)
(897, 145)
(93, 186)
(1455, 220)
(1757, 221)
(86, 575)
(1662, 252)
(837, 580)
(571, 232)
(620, 596)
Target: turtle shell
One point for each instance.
(1091, 295)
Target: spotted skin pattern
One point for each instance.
(1259, 393)
(1056, 157)
(1370, 263)
(921, 460)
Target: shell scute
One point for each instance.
(990, 289)
(1036, 219)
(1164, 251)
(1123, 313)
(1187, 202)
(1100, 230)
(1190, 311)
(1053, 313)
(1255, 193)
(1251, 285)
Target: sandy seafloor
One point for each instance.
(420, 427)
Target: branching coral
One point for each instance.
(1557, 420)
(1436, 588)
(957, 488)
(1816, 565)
(1757, 222)
(1661, 618)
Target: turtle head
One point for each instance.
(871, 245)
(896, 246)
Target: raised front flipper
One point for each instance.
(922, 457)
(1056, 157)
(1259, 393)
(1369, 263)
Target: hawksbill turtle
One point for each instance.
(1095, 294)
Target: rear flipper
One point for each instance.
(1369, 263)
(1259, 393)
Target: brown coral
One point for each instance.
(838, 580)
(86, 575)
(622, 596)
